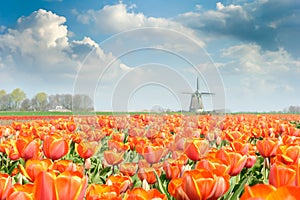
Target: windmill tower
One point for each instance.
(196, 104)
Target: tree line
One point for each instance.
(17, 101)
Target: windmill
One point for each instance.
(196, 104)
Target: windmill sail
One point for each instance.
(196, 104)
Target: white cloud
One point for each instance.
(39, 51)
(117, 18)
(253, 77)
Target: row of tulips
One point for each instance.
(151, 157)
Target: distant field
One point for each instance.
(47, 113)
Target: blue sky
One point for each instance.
(135, 55)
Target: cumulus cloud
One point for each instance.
(255, 74)
(112, 19)
(268, 23)
(39, 51)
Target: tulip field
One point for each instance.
(150, 156)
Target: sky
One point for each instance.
(140, 55)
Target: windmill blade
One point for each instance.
(197, 83)
(207, 93)
(187, 92)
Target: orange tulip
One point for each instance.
(198, 184)
(128, 169)
(288, 154)
(71, 126)
(269, 192)
(267, 147)
(136, 194)
(5, 185)
(235, 161)
(155, 194)
(103, 192)
(12, 151)
(87, 149)
(44, 186)
(66, 165)
(153, 154)
(175, 189)
(258, 191)
(34, 167)
(148, 173)
(70, 185)
(67, 185)
(28, 147)
(21, 192)
(285, 192)
(120, 181)
(117, 145)
(172, 169)
(112, 157)
(55, 147)
(281, 175)
(240, 146)
(196, 149)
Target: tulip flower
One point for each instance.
(120, 181)
(34, 167)
(259, 191)
(5, 185)
(267, 147)
(196, 148)
(55, 147)
(288, 154)
(112, 157)
(235, 161)
(103, 192)
(153, 154)
(269, 192)
(128, 169)
(136, 193)
(21, 192)
(67, 186)
(175, 189)
(148, 173)
(28, 147)
(281, 175)
(172, 169)
(87, 149)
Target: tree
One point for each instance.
(26, 105)
(3, 100)
(17, 96)
(40, 101)
(82, 102)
